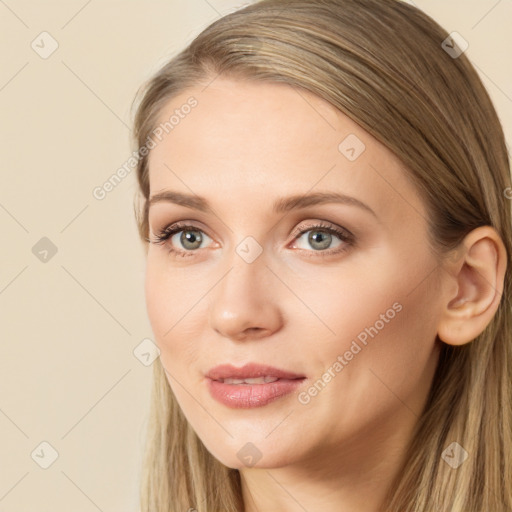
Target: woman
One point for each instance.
(324, 208)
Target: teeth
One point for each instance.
(256, 380)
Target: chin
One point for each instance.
(246, 454)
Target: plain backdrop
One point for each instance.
(74, 377)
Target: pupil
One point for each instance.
(190, 237)
(319, 239)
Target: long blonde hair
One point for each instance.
(380, 62)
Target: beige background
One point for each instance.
(69, 325)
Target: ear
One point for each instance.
(474, 285)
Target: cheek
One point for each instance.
(339, 303)
(368, 292)
(158, 301)
(383, 313)
(174, 312)
(386, 329)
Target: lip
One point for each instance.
(248, 371)
(245, 396)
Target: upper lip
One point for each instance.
(249, 371)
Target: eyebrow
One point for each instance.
(281, 205)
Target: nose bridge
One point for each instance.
(246, 277)
(247, 262)
(244, 300)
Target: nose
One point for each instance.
(245, 305)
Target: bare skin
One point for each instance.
(245, 145)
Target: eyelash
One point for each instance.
(345, 236)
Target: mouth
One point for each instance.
(253, 380)
(252, 385)
(250, 371)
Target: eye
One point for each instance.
(190, 238)
(321, 237)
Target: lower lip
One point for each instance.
(246, 396)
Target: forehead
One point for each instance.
(258, 140)
(235, 119)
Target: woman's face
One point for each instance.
(349, 306)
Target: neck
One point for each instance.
(353, 475)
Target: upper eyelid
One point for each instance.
(184, 225)
(180, 226)
(322, 224)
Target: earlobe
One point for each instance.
(477, 275)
